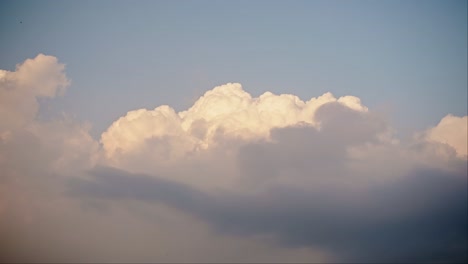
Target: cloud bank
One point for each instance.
(231, 179)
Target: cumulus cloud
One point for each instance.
(232, 178)
(19, 90)
(226, 110)
(322, 173)
(452, 130)
(55, 144)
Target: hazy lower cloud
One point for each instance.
(233, 178)
(421, 217)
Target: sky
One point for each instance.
(233, 131)
(406, 59)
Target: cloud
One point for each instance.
(452, 130)
(226, 110)
(41, 222)
(35, 155)
(419, 218)
(27, 144)
(19, 90)
(325, 173)
(232, 178)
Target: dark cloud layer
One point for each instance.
(419, 218)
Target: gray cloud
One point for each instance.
(420, 218)
(299, 188)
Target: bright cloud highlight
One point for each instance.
(226, 111)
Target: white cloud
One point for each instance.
(232, 178)
(42, 76)
(193, 145)
(453, 131)
(226, 111)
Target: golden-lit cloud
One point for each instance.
(225, 111)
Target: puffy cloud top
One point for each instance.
(226, 110)
(61, 144)
(42, 76)
(451, 130)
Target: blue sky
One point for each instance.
(406, 59)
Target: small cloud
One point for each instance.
(42, 76)
(451, 130)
